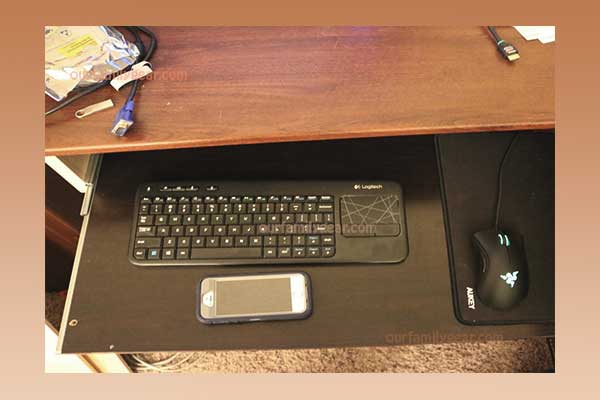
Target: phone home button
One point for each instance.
(208, 299)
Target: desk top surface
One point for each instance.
(216, 86)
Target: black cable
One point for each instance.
(508, 51)
(494, 33)
(500, 171)
(145, 55)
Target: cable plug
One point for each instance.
(123, 120)
(507, 50)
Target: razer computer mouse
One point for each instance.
(502, 281)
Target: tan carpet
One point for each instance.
(527, 355)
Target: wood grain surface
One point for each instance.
(223, 85)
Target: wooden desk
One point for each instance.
(219, 86)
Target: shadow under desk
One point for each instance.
(123, 308)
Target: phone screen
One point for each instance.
(253, 296)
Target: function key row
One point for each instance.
(235, 199)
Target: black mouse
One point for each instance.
(503, 280)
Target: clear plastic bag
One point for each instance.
(78, 56)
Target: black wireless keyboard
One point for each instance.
(268, 222)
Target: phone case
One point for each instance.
(235, 320)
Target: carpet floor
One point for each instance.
(526, 355)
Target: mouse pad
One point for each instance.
(468, 165)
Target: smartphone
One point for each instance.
(256, 297)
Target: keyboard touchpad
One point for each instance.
(367, 216)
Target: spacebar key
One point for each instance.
(247, 252)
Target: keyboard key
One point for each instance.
(259, 219)
(198, 242)
(156, 209)
(139, 254)
(212, 241)
(270, 241)
(232, 219)
(144, 208)
(234, 230)
(325, 207)
(145, 220)
(314, 252)
(226, 241)
(183, 241)
(183, 254)
(170, 209)
(146, 231)
(299, 240)
(284, 240)
(191, 230)
(270, 252)
(241, 241)
(313, 240)
(183, 209)
(154, 254)
(168, 254)
(326, 199)
(328, 251)
(286, 199)
(147, 242)
(217, 219)
(198, 209)
(175, 220)
(163, 231)
(169, 242)
(255, 241)
(310, 207)
(189, 220)
(177, 230)
(248, 230)
(235, 252)
(161, 220)
(327, 240)
(205, 230)
(299, 252)
(284, 252)
(301, 218)
(219, 230)
(316, 218)
(203, 220)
